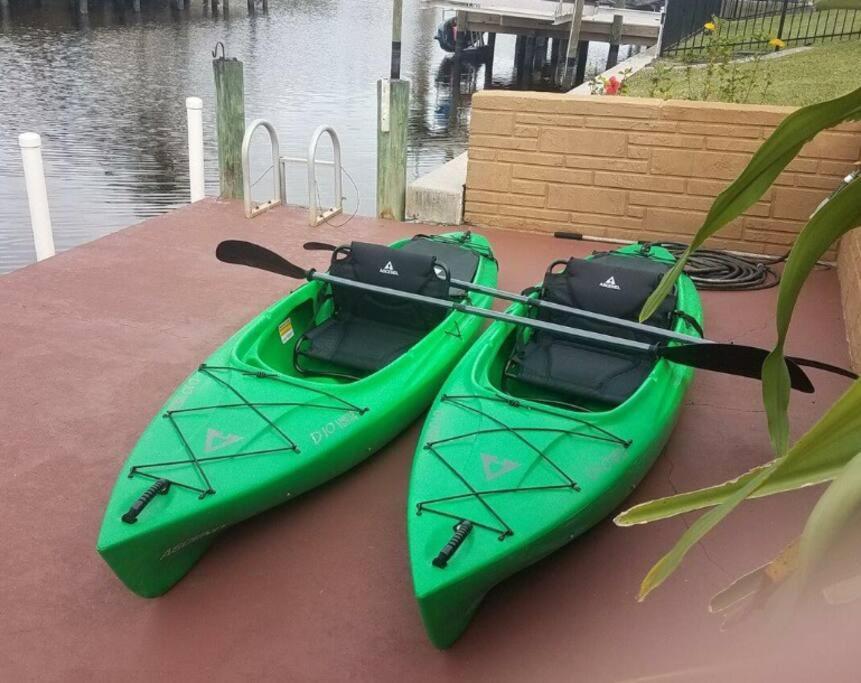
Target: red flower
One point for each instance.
(612, 86)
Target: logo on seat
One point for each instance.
(388, 269)
(610, 283)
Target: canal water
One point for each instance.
(107, 93)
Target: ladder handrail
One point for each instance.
(314, 215)
(252, 209)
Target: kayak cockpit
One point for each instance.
(336, 333)
(548, 367)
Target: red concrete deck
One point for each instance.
(95, 339)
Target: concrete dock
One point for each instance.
(95, 339)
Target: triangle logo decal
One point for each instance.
(610, 283)
(216, 440)
(494, 468)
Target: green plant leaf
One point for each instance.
(836, 436)
(766, 164)
(818, 456)
(834, 510)
(838, 216)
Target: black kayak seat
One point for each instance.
(609, 283)
(367, 331)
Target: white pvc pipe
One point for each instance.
(37, 194)
(194, 108)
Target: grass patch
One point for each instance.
(818, 74)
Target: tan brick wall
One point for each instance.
(636, 168)
(849, 268)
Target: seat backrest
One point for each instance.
(383, 266)
(608, 283)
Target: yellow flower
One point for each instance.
(709, 26)
(777, 42)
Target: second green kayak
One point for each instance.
(533, 440)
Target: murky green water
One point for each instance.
(107, 94)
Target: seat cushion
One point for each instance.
(611, 284)
(579, 371)
(461, 262)
(358, 343)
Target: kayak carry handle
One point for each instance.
(160, 487)
(461, 531)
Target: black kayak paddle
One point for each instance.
(733, 359)
(658, 332)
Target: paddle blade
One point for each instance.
(732, 359)
(318, 246)
(253, 255)
(825, 367)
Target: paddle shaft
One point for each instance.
(580, 313)
(596, 338)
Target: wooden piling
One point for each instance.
(582, 54)
(554, 61)
(397, 21)
(83, 7)
(393, 110)
(179, 4)
(573, 42)
(615, 39)
(519, 52)
(560, 67)
(392, 119)
(250, 5)
(529, 61)
(136, 6)
(230, 124)
(488, 60)
(459, 45)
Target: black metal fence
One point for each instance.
(744, 23)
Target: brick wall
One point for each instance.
(636, 168)
(849, 268)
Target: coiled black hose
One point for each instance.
(724, 270)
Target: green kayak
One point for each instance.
(306, 390)
(534, 439)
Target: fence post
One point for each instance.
(37, 194)
(230, 124)
(194, 111)
(782, 21)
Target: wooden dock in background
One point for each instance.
(565, 29)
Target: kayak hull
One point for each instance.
(243, 434)
(531, 476)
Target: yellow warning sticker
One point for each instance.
(285, 330)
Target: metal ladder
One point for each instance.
(316, 215)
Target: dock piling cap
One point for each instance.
(193, 103)
(29, 140)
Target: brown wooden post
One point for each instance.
(615, 39)
(554, 61)
(582, 54)
(488, 61)
(230, 123)
(572, 50)
(393, 109)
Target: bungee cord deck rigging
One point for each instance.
(197, 461)
(246, 431)
(519, 432)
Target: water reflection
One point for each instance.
(107, 92)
